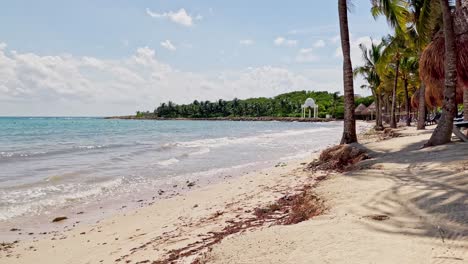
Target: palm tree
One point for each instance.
(369, 72)
(389, 65)
(416, 19)
(408, 73)
(443, 132)
(349, 129)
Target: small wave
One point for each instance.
(36, 200)
(167, 146)
(202, 151)
(13, 155)
(225, 141)
(91, 147)
(168, 162)
(60, 177)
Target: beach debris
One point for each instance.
(378, 217)
(80, 213)
(441, 233)
(292, 209)
(338, 158)
(195, 206)
(7, 246)
(190, 184)
(15, 229)
(59, 219)
(281, 164)
(161, 192)
(287, 210)
(389, 133)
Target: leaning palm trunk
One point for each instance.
(393, 123)
(465, 105)
(465, 91)
(422, 108)
(443, 132)
(349, 131)
(378, 113)
(408, 107)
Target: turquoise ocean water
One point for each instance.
(48, 162)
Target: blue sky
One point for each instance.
(115, 57)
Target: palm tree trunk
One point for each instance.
(349, 130)
(443, 132)
(377, 103)
(393, 123)
(422, 107)
(465, 104)
(379, 112)
(408, 107)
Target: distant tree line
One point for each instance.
(284, 105)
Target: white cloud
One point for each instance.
(356, 54)
(180, 17)
(319, 43)
(246, 42)
(167, 44)
(281, 41)
(335, 39)
(306, 55)
(33, 84)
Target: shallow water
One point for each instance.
(50, 163)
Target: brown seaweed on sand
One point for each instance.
(338, 158)
(287, 210)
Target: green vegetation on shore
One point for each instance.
(283, 105)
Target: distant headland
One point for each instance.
(287, 107)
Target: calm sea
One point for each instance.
(50, 162)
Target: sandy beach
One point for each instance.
(403, 205)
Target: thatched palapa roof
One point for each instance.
(372, 107)
(360, 109)
(432, 62)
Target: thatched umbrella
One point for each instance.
(372, 107)
(360, 109)
(432, 62)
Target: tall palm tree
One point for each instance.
(443, 132)
(389, 65)
(408, 73)
(368, 71)
(349, 129)
(416, 19)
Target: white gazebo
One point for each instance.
(309, 105)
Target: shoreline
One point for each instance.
(182, 152)
(27, 227)
(237, 119)
(397, 185)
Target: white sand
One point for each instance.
(423, 192)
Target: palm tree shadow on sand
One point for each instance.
(425, 198)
